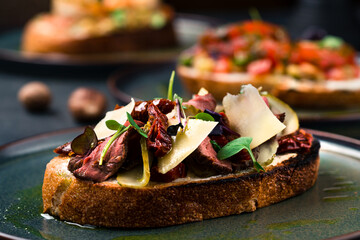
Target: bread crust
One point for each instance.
(318, 97)
(110, 205)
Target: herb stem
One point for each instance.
(254, 14)
(171, 84)
(257, 166)
(108, 144)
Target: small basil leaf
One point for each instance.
(215, 145)
(234, 147)
(113, 125)
(204, 116)
(136, 127)
(85, 142)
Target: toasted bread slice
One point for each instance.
(184, 200)
(49, 33)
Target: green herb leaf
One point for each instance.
(158, 20)
(331, 42)
(85, 142)
(204, 116)
(171, 84)
(119, 17)
(111, 140)
(113, 125)
(236, 146)
(186, 60)
(215, 145)
(137, 128)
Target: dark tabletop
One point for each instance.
(17, 123)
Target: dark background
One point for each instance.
(338, 17)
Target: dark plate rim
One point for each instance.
(13, 56)
(327, 136)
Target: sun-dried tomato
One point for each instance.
(140, 111)
(165, 105)
(299, 141)
(158, 141)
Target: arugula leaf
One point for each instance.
(137, 128)
(204, 116)
(85, 142)
(171, 84)
(236, 146)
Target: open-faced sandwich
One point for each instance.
(164, 162)
(93, 26)
(306, 74)
(227, 57)
(321, 74)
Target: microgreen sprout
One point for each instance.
(85, 142)
(120, 129)
(236, 146)
(137, 128)
(254, 14)
(171, 85)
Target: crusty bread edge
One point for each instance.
(110, 205)
(35, 41)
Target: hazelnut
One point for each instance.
(87, 105)
(35, 96)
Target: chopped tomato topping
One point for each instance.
(258, 27)
(223, 65)
(259, 67)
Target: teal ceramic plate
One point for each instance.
(330, 208)
(152, 81)
(187, 28)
